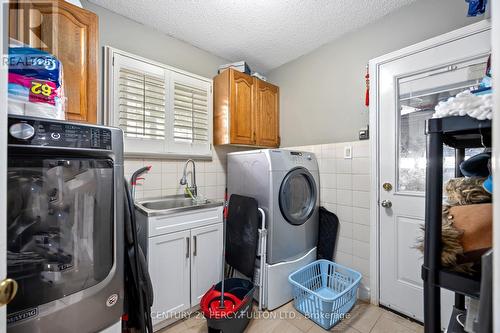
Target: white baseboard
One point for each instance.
(364, 293)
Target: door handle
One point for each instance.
(195, 245)
(386, 204)
(187, 247)
(8, 290)
(387, 186)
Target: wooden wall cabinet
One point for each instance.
(267, 114)
(246, 110)
(71, 34)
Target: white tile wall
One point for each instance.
(345, 191)
(344, 185)
(164, 176)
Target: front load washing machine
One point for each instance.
(65, 226)
(286, 185)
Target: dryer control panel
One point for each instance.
(300, 156)
(283, 159)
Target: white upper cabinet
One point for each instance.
(163, 111)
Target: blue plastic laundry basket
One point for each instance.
(324, 291)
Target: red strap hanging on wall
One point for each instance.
(367, 93)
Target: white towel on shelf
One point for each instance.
(466, 104)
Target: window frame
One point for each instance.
(136, 147)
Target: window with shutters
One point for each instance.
(141, 104)
(190, 114)
(192, 120)
(161, 110)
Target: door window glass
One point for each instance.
(417, 97)
(59, 227)
(297, 196)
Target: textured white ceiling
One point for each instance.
(265, 33)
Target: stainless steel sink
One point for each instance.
(172, 204)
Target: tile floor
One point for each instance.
(364, 318)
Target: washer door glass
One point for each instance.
(59, 226)
(298, 194)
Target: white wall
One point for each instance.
(345, 191)
(127, 35)
(322, 93)
(164, 176)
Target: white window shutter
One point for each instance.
(163, 111)
(140, 104)
(191, 121)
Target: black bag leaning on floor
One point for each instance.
(327, 235)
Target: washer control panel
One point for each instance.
(21, 131)
(36, 132)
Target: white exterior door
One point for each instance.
(408, 89)
(168, 260)
(206, 260)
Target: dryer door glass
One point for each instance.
(298, 195)
(60, 227)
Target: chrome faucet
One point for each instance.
(193, 188)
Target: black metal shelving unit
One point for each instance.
(459, 133)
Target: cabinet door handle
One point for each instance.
(195, 245)
(187, 248)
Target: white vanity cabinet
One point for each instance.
(206, 260)
(185, 260)
(169, 269)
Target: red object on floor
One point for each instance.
(210, 304)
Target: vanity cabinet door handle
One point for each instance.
(195, 245)
(187, 248)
